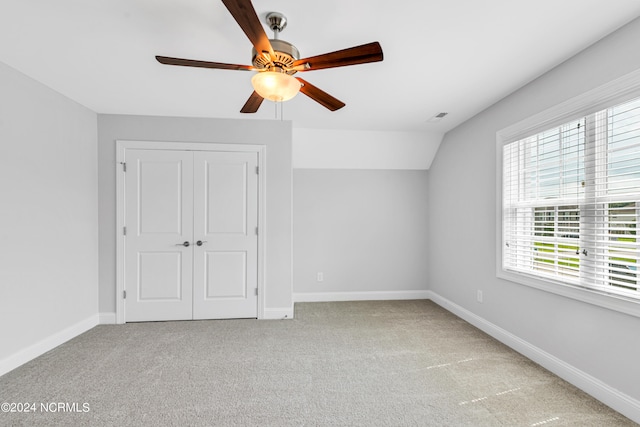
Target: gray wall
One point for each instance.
(462, 219)
(276, 135)
(48, 214)
(365, 230)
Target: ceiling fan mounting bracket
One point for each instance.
(277, 22)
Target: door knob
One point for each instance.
(200, 242)
(183, 244)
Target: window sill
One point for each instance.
(609, 301)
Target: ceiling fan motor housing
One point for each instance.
(286, 54)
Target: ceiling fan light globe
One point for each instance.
(275, 86)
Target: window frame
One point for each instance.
(615, 92)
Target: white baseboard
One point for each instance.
(278, 313)
(25, 355)
(626, 405)
(359, 296)
(108, 318)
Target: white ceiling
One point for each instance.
(455, 56)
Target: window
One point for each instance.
(570, 201)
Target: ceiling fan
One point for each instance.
(276, 61)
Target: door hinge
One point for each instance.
(124, 294)
(257, 169)
(124, 166)
(256, 231)
(124, 231)
(256, 291)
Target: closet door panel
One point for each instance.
(159, 220)
(225, 223)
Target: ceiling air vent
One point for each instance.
(437, 117)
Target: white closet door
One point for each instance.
(159, 220)
(225, 263)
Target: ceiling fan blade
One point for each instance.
(370, 52)
(246, 16)
(320, 96)
(203, 64)
(253, 103)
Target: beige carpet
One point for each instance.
(391, 363)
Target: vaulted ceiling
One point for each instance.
(454, 56)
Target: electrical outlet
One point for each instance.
(320, 277)
(479, 296)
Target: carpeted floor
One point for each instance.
(378, 363)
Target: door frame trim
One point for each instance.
(123, 145)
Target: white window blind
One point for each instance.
(571, 201)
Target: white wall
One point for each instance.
(276, 135)
(362, 149)
(365, 230)
(48, 219)
(360, 213)
(600, 343)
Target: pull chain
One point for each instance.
(281, 111)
